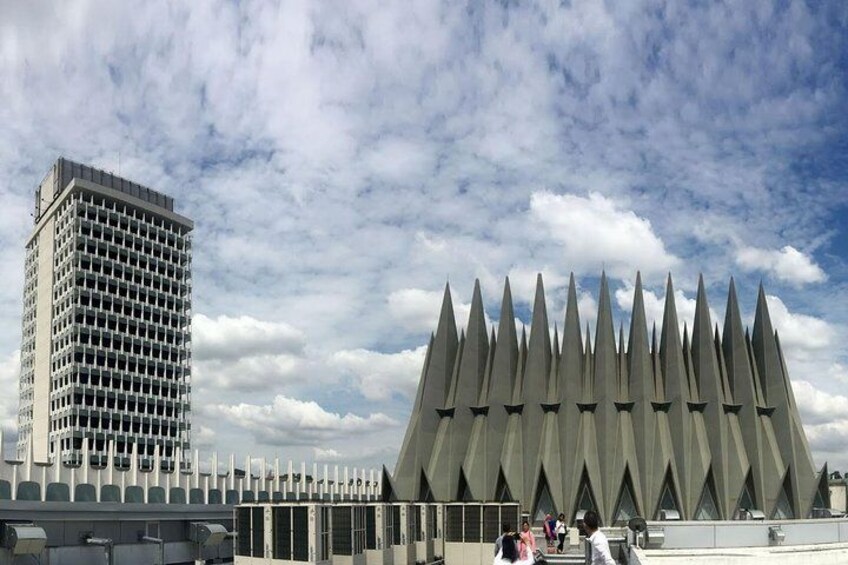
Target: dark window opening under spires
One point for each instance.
(425, 493)
(463, 492)
(502, 492)
(585, 497)
(668, 501)
(747, 500)
(707, 508)
(544, 503)
(783, 507)
(625, 508)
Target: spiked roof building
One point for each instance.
(703, 426)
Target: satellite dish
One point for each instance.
(637, 524)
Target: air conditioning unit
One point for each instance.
(23, 539)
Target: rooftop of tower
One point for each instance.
(67, 170)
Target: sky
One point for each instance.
(343, 160)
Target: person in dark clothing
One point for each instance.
(505, 529)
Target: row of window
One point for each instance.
(128, 218)
(148, 296)
(172, 253)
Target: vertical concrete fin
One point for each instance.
(505, 365)
(659, 379)
(606, 381)
(765, 351)
(483, 399)
(475, 353)
(444, 351)
(535, 387)
(519, 369)
(671, 351)
(734, 349)
(642, 389)
(705, 365)
(538, 360)
(690, 366)
(571, 365)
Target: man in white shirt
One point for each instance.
(600, 546)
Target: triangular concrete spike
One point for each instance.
(538, 355)
(504, 365)
(765, 350)
(571, 367)
(477, 315)
(605, 358)
(639, 368)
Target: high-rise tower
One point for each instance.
(105, 354)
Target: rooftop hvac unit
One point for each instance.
(403, 532)
(379, 533)
(250, 530)
(428, 532)
(23, 539)
(206, 534)
(669, 515)
(470, 529)
(348, 533)
(284, 533)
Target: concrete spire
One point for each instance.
(502, 381)
(570, 372)
(676, 381)
(642, 393)
(571, 367)
(505, 364)
(476, 353)
(638, 352)
(671, 351)
(686, 416)
(606, 380)
(452, 443)
(435, 385)
(535, 392)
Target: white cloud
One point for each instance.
(327, 455)
(595, 232)
(787, 265)
(245, 353)
(418, 310)
(799, 331)
(226, 338)
(655, 307)
(333, 155)
(288, 421)
(825, 419)
(377, 375)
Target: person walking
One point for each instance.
(549, 525)
(597, 539)
(560, 530)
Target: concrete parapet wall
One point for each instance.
(35, 481)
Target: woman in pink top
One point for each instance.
(528, 543)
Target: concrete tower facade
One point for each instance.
(703, 426)
(105, 354)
